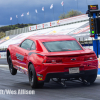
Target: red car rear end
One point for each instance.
(60, 57)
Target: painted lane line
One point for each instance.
(4, 66)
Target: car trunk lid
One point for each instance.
(69, 56)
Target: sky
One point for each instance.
(11, 8)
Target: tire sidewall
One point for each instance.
(34, 82)
(13, 71)
(10, 64)
(91, 78)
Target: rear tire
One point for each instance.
(13, 71)
(33, 78)
(91, 78)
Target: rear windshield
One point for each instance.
(55, 46)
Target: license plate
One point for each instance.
(73, 70)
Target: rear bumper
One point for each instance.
(67, 75)
(62, 70)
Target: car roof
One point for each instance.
(44, 38)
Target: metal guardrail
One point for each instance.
(26, 29)
(17, 31)
(86, 42)
(3, 49)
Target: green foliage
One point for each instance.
(70, 14)
(62, 16)
(12, 27)
(2, 34)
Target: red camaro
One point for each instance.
(52, 56)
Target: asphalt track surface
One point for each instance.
(3, 62)
(50, 91)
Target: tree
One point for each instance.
(62, 16)
(70, 14)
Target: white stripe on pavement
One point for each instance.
(4, 66)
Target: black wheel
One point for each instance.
(32, 78)
(13, 71)
(91, 78)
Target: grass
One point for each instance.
(2, 34)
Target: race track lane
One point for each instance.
(3, 61)
(50, 91)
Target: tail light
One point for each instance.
(52, 60)
(90, 58)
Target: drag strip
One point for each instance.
(50, 91)
(3, 61)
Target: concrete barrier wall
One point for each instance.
(2, 54)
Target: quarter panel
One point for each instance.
(36, 60)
